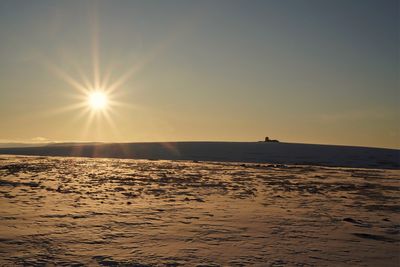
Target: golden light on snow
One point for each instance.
(98, 100)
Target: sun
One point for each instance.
(97, 100)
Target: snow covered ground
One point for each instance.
(124, 212)
(260, 152)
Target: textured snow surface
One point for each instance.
(111, 212)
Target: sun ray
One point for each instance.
(64, 76)
(94, 23)
(106, 78)
(60, 110)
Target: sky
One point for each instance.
(305, 71)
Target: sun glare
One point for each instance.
(98, 100)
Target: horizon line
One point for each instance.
(186, 141)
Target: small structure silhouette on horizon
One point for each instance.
(271, 140)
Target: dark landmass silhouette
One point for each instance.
(256, 152)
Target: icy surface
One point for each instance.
(110, 212)
(255, 152)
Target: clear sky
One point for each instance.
(314, 71)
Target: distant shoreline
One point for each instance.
(251, 152)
